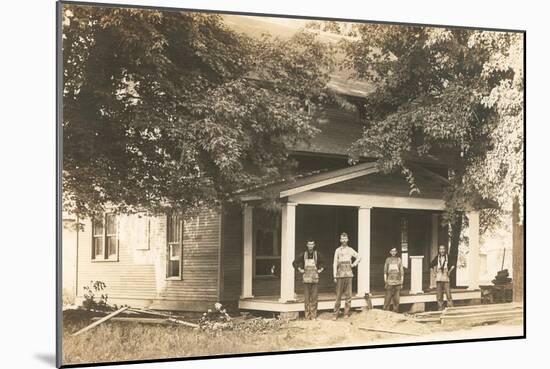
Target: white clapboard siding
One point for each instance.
(140, 272)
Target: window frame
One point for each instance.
(276, 246)
(169, 244)
(104, 255)
(404, 241)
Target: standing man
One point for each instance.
(310, 263)
(393, 280)
(442, 271)
(343, 274)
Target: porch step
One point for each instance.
(326, 302)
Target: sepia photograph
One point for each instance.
(237, 184)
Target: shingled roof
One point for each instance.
(337, 130)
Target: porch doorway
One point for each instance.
(409, 231)
(324, 224)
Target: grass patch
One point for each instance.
(126, 341)
(119, 341)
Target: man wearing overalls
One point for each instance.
(310, 263)
(393, 280)
(442, 270)
(343, 274)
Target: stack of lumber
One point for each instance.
(472, 314)
(481, 313)
(428, 317)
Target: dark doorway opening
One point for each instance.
(325, 224)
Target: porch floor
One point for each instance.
(327, 300)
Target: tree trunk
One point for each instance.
(518, 253)
(456, 229)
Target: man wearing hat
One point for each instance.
(310, 263)
(393, 280)
(345, 258)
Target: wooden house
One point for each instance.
(241, 254)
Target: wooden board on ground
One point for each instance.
(472, 313)
(104, 319)
(150, 312)
(138, 320)
(482, 313)
(512, 305)
(387, 331)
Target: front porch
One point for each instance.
(376, 211)
(327, 300)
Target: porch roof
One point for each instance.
(310, 181)
(353, 179)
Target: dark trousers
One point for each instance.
(343, 287)
(310, 300)
(443, 287)
(392, 297)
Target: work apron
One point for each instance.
(442, 272)
(310, 269)
(343, 269)
(394, 274)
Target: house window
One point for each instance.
(174, 246)
(105, 238)
(267, 245)
(404, 231)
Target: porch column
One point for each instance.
(246, 287)
(416, 274)
(434, 245)
(288, 234)
(363, 245)
(473, 250)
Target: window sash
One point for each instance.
(97, 227)
(111, 243)
(272, 262)
(267, 251)
(105, 237)
(272, 247)
(174, 249)
(97, 247)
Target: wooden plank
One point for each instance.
(388, 331)
(485, 314)
(187, 324)
(152, 313)
(151, 321)
(138, 320)
(487, 306)
(427, 320)
(104, 319)
(428, 314)
(482, 312)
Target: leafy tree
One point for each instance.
(175, 110)
(452, 92)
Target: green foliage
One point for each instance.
(450, 92)
(91, 299)
(175, 110)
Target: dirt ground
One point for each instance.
(348, 332)
(115, 341)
